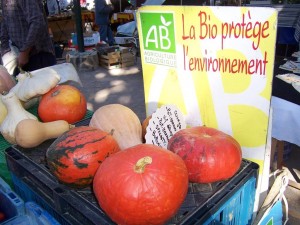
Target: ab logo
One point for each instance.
(158, 32)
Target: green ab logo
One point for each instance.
(158, 31)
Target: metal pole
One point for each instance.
(78, 22)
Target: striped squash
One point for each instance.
(74, 157)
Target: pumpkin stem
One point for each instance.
(207, 135)
(112, 132)
(141, 164)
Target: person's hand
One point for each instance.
(23, 58)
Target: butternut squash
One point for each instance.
(3, 111)
(122, 121)
(15, 113)
(31, 133)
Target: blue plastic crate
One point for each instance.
(10, 203)
(238, 209)
(80, 206)
(34, 215)
(33, 181)
(19, 213)
(38, 215)
(67, 210)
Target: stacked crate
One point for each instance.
(127, 57)
(110, 60)
(119, 58)
(14, 211)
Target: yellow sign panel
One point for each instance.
(215, 64)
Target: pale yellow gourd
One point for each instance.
(122, 121)
(31, 85)
(31, 133)
(3, 111)
(15, 113)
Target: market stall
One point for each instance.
(64, 24)
(122, 17)
(196, 76)
(61, 27)
(285, 105)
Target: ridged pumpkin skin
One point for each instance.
(209, 154)
(125, 123)
(75, 156)
(142, 185)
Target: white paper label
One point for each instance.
(164, 123)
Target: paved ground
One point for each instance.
(125, 86)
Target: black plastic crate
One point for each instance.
(34, 182)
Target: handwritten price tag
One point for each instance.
(164, 123)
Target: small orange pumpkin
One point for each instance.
(63, 102)
(74, 157)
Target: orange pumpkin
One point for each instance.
(74, 157)
(210, 155)
(144, 184)
(64, 102)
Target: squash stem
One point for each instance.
(141, 164)
(21, 70)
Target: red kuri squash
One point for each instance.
(144, 184)
(75, 156)
(209, 154)
(63, 102)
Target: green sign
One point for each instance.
(270, 222)
(158, 31)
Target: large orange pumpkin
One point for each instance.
(75, 156)
(64, 102)
(209, 154)
(141, 185)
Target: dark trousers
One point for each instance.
(106, 34)
(38, 61)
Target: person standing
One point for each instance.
(25, 27)
(52, 7)
(102, 19)
(63, 4)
